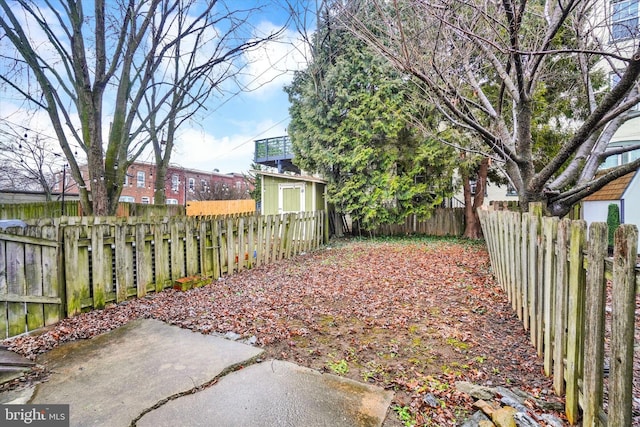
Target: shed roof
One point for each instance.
(305, 178)
(613, 190)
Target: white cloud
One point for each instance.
(271, 66)
(197, 149)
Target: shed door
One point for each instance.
(290, 198)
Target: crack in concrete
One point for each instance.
(230, 369)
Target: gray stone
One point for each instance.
(546, 405)
(232, 336)
(431, 400)
(551, 420)
(520, 393)
(475, 419)
(524, 420)
(474, 390)
(506, 400)
(513, 395)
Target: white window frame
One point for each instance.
(145, 200)
(192, 184)
(172, 201)
(127, 199)
(175, 183)
(140, 179)
(624, 19)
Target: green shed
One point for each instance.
(282, 193)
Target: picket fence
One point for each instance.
(56, 268)
(558, 282)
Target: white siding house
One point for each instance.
(617, 22)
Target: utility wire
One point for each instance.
(253, 138)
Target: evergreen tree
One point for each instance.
(352, 121)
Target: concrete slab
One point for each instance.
(111, 379)
(276, 393)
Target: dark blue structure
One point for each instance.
(275, 152)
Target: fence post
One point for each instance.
(143, 260)
(594, 321)
(517, 230)
(74, 270)
(562, 279)
(550, 227)
(535, 275)
(575, 325)
(98, 260)
(124, 262)
(191, 247)
(524, 268)
(622, 325)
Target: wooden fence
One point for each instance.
(557, 281)
(221, 207)
(442, 222)
(57, 268)
(36, 210)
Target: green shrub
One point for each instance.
(613, 220)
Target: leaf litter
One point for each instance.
(410, 315)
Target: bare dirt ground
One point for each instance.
(411, 315)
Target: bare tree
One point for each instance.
(28, 163)
(505, 69)
(188, 81)
(99, 64)
(220, 191)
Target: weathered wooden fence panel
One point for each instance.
(30, 292)
(556, 278)
(57, 269)
(443, 222)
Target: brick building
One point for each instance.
(181, 185)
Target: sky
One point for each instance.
(224, 136)
(221, 136)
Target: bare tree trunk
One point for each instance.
(159, 196)
(472, 229)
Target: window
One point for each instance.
(614, 79)
(624, 19)
(203, 184)
(145, 200)
(192, 184)
(610, 162)
(140, 179)
(630, 156)
(474, 186)
(511, 190)
(126, 179)
(172, 201)
(175, 183)
(620, 159)
(127, 199)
